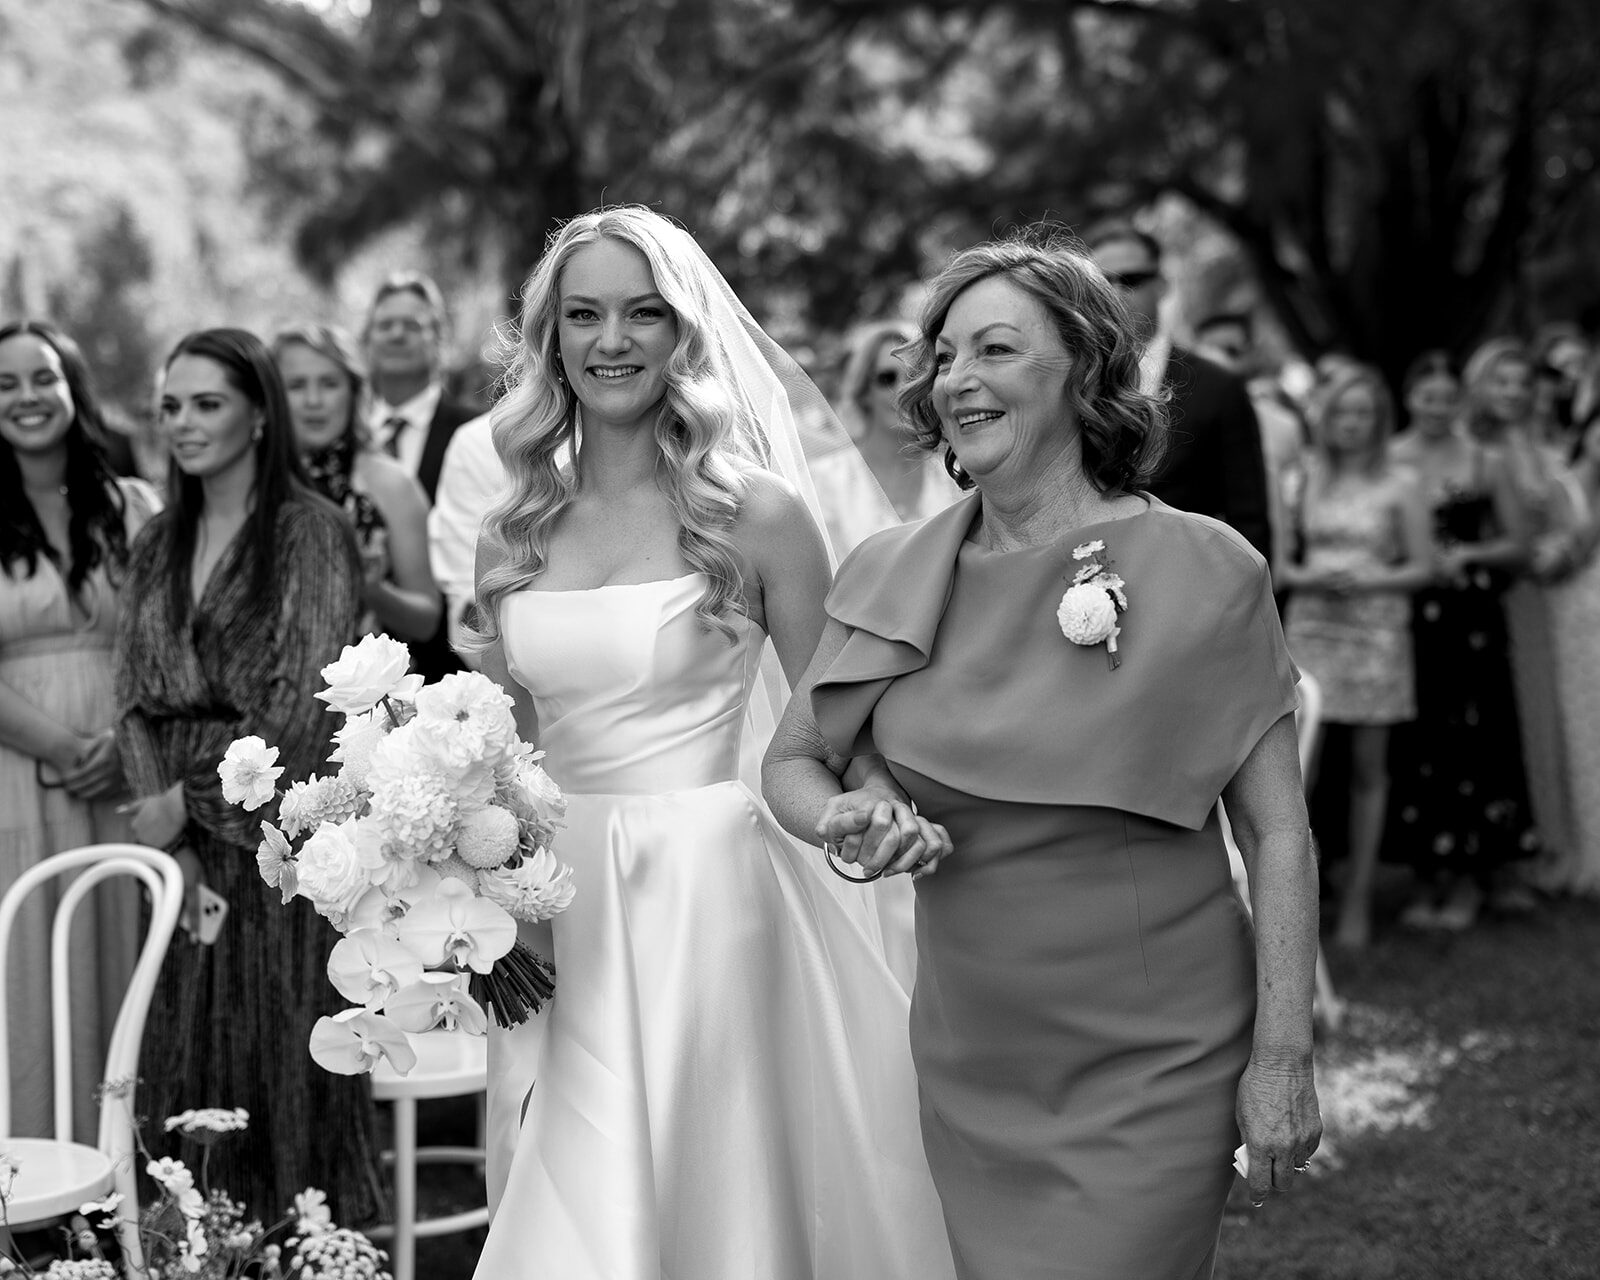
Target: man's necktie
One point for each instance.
(392, 427)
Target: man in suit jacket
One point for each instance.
(1213, 464)
(411, 417)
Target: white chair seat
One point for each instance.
(53, 1178)
(449, 1063)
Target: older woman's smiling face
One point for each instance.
(1000, 389)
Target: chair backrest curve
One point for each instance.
(160, 874)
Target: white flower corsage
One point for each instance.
(1089, 608)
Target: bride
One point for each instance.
(721, 1088)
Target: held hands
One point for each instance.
(880, 832)
(97, 771)
(1279, 1120)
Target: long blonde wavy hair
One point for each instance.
(705, 430)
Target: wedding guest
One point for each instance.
(1499, 381)
(1572, 563)
(897, 483)
(66, 521)
(1458, 804)
(1092, 1025)
(722, 1088)
(472, 482)
(1229, 339)
(410, 417)
(1213, 464)
(326, 385)
(1360, 544)
(237, 595)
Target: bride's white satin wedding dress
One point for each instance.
(721, 1088)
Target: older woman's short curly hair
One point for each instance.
(1124, 430)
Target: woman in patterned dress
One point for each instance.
(238, 594)
(1459, 806)
(326, 384)
(65, 526)
(1360, 545)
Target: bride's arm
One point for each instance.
(784, 550)
(492, 660)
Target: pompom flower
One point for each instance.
(454, 924)
(351, 1043)
(1088, 615)
(487, 836)
(249, 772)
(365, 674)
(539, 888)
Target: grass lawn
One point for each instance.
(1461, 1102)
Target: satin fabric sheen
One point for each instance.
(721, 1088)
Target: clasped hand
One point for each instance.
(882, 833)
(94, 769)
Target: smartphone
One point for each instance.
(213, 911)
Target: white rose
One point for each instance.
(365, 674)
(249, 773)
(1087, 614)
(337, 866)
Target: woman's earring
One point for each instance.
(962, 479)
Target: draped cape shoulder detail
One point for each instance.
(956, 667)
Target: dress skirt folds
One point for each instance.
(1085, 989)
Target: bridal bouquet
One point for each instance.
(426, 847)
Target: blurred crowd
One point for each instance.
(1433, 545)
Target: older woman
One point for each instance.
(326, 384)
(1092, 1025)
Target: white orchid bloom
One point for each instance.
(453, 924)
(368, 966)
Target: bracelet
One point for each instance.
(837, 867)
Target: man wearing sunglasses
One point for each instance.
(1213, 464)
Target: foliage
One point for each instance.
(1385, 168)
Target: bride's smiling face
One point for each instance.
(616, 334)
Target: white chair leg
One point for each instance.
(405, 1189)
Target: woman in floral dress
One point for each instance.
(1360, 547)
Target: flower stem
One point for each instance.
(517, 986)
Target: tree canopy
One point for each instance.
(1387, 170)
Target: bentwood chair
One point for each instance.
(56, 1175)
(449, 1064)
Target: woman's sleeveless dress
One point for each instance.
(1085, 986)
(722, 1085)
(1356, 646)
(57, 654)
